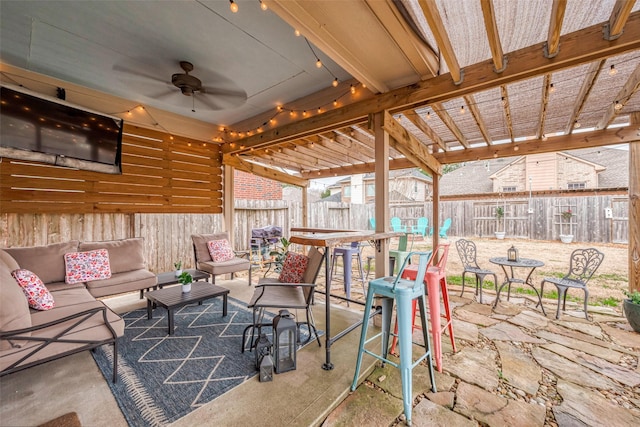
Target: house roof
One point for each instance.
(475, 177)
(400, 173)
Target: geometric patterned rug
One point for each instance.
(162, 377)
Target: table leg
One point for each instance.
(327, 366)
(170, 321)
(149, 309)
(347, 276)
(224, 305)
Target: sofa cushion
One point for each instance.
(14, 308)
(124, 255)
(293, 268)
(45, 261)
(37, 294)
(86, 266)
(123, 282)
(8, 261)
(200, 245)
(220, 250)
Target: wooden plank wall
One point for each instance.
(160, 174)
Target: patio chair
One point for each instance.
(348, 254)
(229, 265)
(398, 255)
(445, 227)
(467, 252)
(372, 223)
(396, 225)
(582, 265)
(420, 227)
(271, 293)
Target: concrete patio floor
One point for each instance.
(513, 367)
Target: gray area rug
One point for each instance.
(162, 377)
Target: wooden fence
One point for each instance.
(168, 236)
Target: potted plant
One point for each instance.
(566, 217)
(499, 216)
(279, 253)
(185, 279)
(631, 308)
(178, 266)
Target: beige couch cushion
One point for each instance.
(120, 283)
(124, 255)
(200, 245)
(14, 309)
(46, 261)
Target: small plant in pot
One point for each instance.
(178, 266)
(499, 216)
(185, 279)
(280, 253)
(631, 307)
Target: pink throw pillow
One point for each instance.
(220, 250)
(293, 268)
(37, 293)
(87, 266)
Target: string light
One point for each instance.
(576, 124)
(428, 115)
(352, 89)
(617, 105)
(335, 82)
(551, 88)
(233, 6)
(263, 5)
(612, 70)
(297, 32)
(462, 110)
(319, 63)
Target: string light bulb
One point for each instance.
(612, 70)
(428, 115)
(297, 32)
(233, 6)
(318, 63)
(353, 89)
(576, 124)
(263, 5)
(551, 88)
(335, 82)
(462, 110)
(617, 105)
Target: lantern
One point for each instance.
(285, 341)
(266, 368)
(263, 348)
(512, 254)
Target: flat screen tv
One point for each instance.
(33, 127)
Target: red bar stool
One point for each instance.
(435, 275)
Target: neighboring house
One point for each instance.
(404, 185)
(253, 187)
(571, 170)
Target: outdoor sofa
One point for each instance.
(77, 321)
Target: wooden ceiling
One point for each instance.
(553, 94)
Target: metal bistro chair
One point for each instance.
(467, 252)
(404, 292)
(348, 253)
(583, 263)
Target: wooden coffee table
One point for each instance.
(172, 298)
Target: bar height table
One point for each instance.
(329, 239)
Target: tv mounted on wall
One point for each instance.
(49, 130)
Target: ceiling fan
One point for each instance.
(219, 94)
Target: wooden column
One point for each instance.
(382, 216)
(228, 206)
(305, 206)
(634, 208)
(436, 211)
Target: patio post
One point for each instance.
(634, 208)
(228, 206)
(382, 190)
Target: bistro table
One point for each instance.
(330, 239)
(510, 278)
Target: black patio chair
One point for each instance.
(467, 252)
(583, 263)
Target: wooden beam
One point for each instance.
(493, 36)
(381, 182)
(394, 164)
(415, 118)
(409, 145)
(579, 47)
(263, 171)
(587, 85)
(446, 118)
(507, 110)
(630, 87)
(430, 11)
(475, 112)
(618, 18)
(634, 208)
(555, 26)
(543, 107)
(574, 141)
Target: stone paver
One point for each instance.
(571, 371)
(581, 406)
(622, 375)
(443, 398)
(465, 331)
(507, 309)
(365, 406)
(587, 338)
(518, 369)
(506, 332)
(493, 410)
(428, 414)
(471, 317)
(530, 320)
(474, 366)
(586, 328)
(595, 350)
(622, 337)
(483, 309)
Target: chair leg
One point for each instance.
(405, 332)
(363, 337)
(427, 342)
(433, 296)
(311, 325)
(586, 297)
(463, 273)
(447, 311)
(479, 285)
(562, 293)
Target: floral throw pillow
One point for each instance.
(293, 268)
(220, 250)
(87, 266)
(36, 292)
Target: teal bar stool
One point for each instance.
(405, 292)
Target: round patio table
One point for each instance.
(510, 278)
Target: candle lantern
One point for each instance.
(512, 254)
(263, 348)
(266, 368)
(285, 341)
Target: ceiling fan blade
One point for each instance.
(164, 94)
(209, 102)
(226, 98)
(131, 73)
